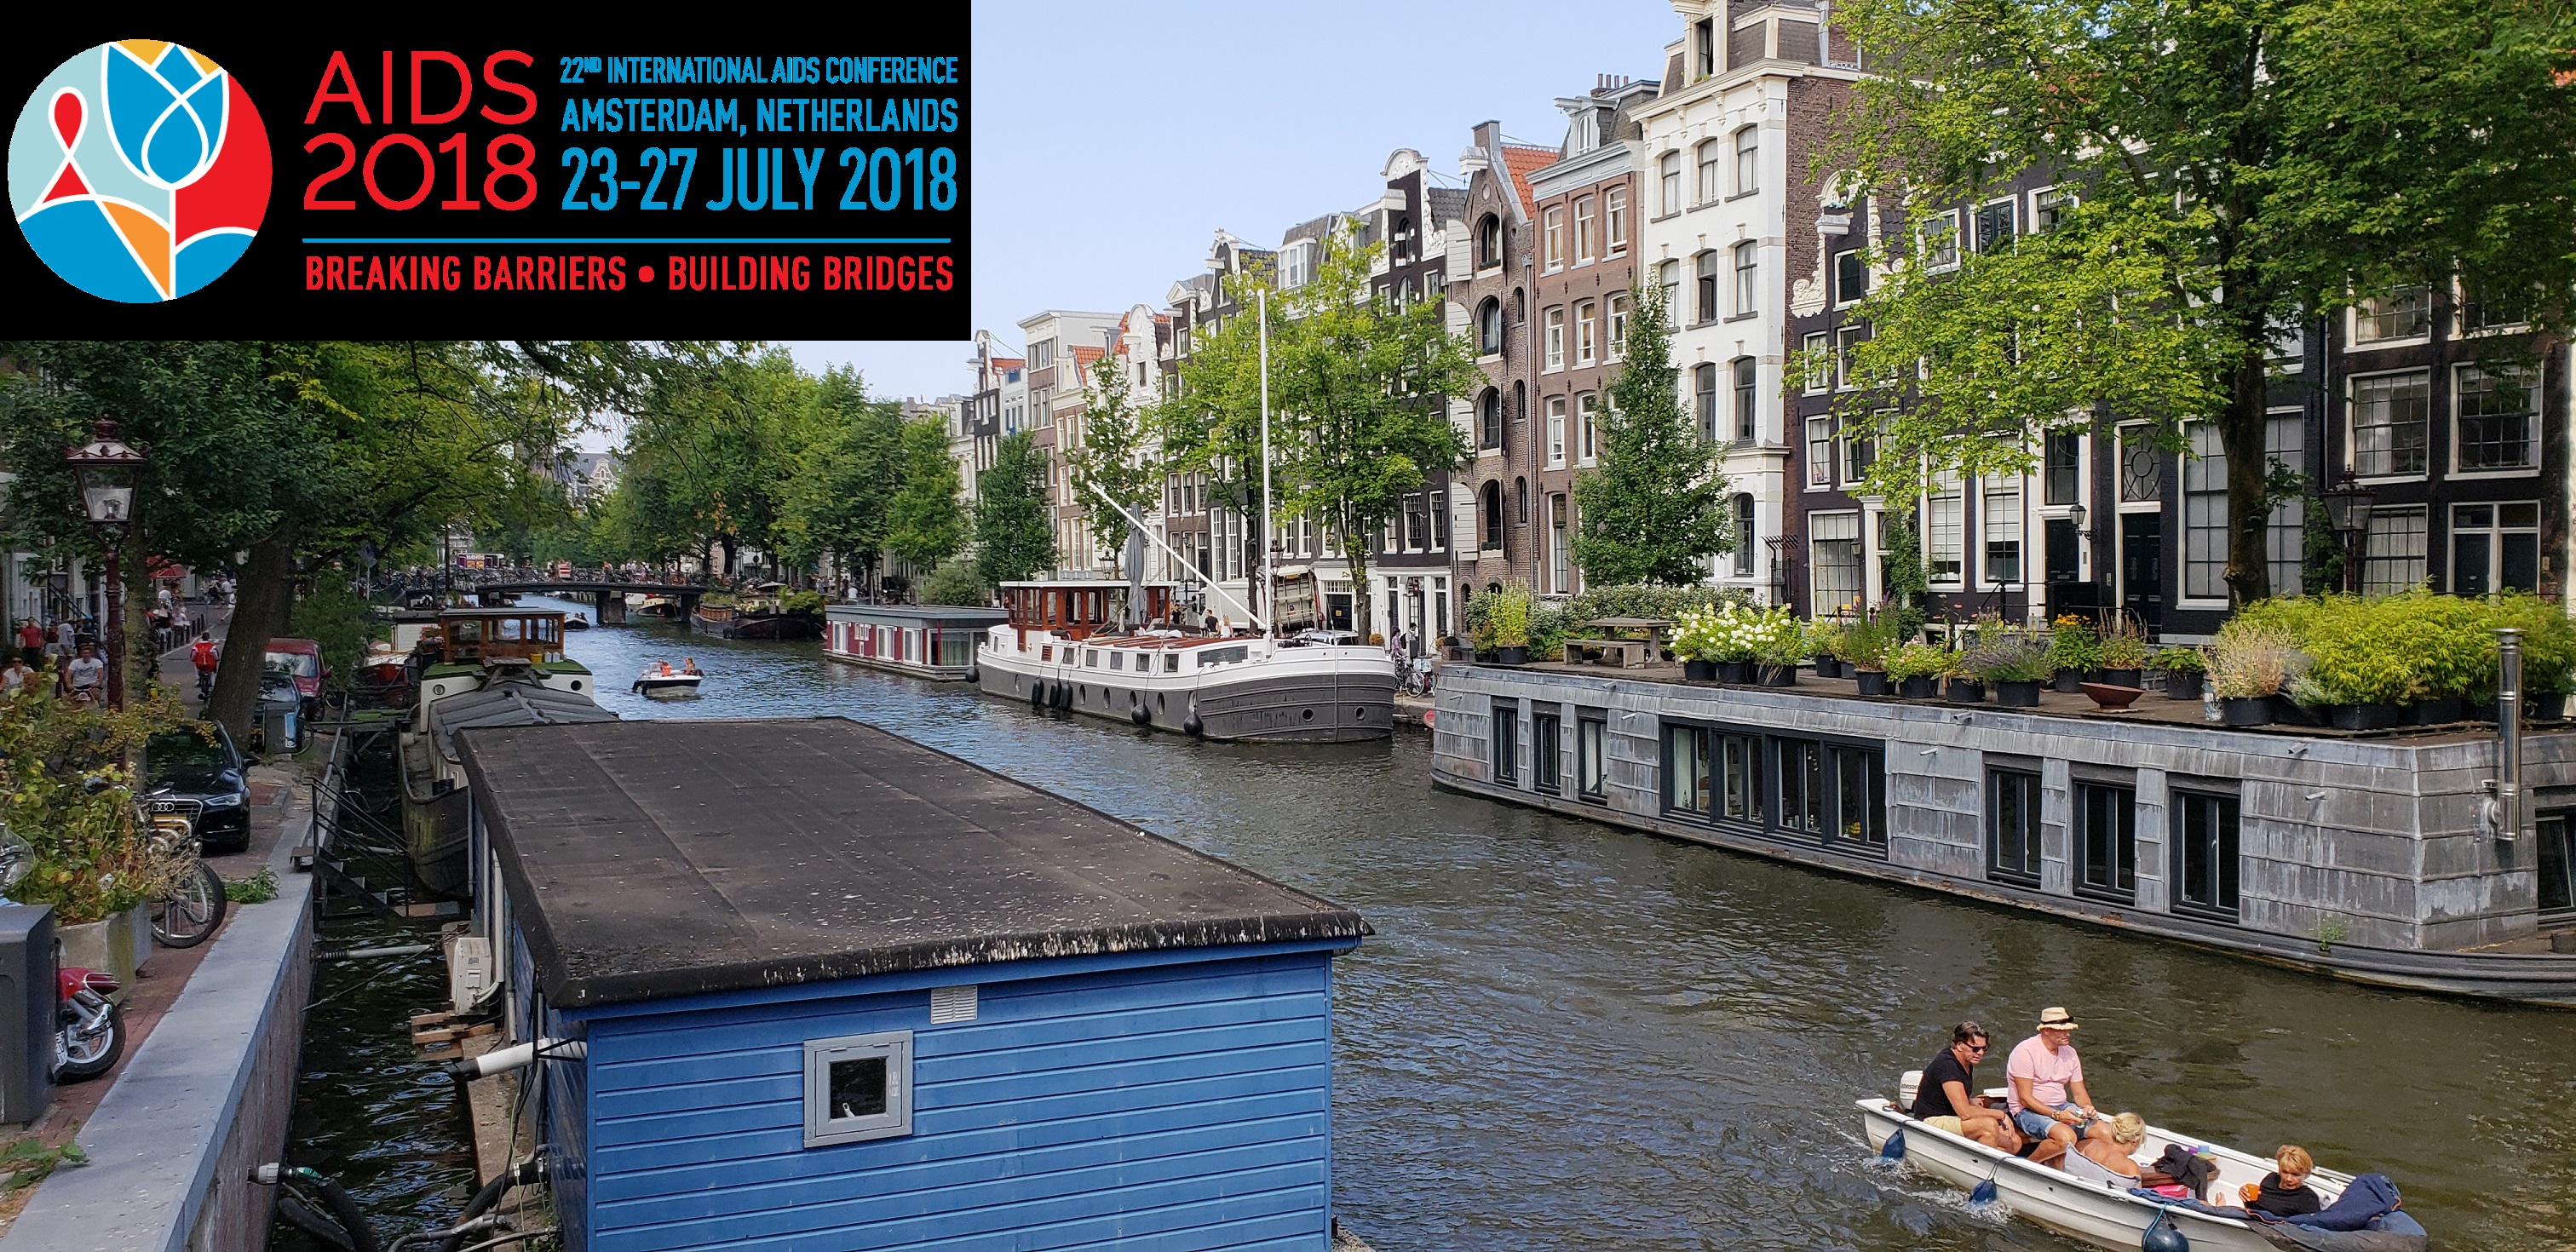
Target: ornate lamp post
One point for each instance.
(108, 467)
(2348, 509)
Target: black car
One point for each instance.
(194, 771)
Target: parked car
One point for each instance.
(301, 658)
(195, 772)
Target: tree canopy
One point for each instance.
(2223, 176)
(1654, 511)
(1014, 529)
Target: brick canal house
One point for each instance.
(1410, 557)
(1218, 536)
(1584, 291)
(1502, 246)
(1061, 347)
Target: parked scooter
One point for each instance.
(89, 1032)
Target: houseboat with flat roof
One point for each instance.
(478, 667)
(984, 1017)
(2381, 856)
(762, 615)
(1070, 645)
(925, 640)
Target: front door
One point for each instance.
(2142, 568)
(1337, 609)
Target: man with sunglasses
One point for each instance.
(1945, 1098)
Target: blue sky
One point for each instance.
(1113, 137)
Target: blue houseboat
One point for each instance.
(806, 984)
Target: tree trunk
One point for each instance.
(142, 661)
(2249, 469)
(260, 608)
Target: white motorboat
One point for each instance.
(2085, 1200)
(660, 684)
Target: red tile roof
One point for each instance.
(1522, 162)
(1008, 362)
(1085, 354)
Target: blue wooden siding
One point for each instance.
(563, 1100)
(1167, 1106)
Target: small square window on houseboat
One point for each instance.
(1545, 742)
(1117, 660)
(1172, 663)
(858, 1087)
(2557, 837)
(1091, 658)
(1507, 741)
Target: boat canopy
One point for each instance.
(509, 704)
(470, 635)
(1076, 608)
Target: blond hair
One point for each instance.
(2294, 1159)
(2128, 1128)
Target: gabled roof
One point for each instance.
(1085, 354)
(1522, 162)
(1008, 362)
(1445, 204)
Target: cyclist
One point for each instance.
(205, 656)
(85, 677)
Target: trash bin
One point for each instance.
(26, 1011)
(278, 717)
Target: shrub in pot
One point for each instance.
(1695, 641)
(1782, 644)
(2249, 663)
(1825, 644)
(2074, 650)
(1916, 668)
(2124, 654)
(2015, 665)
(2184, 669)
(1507, 614)
(89, 858)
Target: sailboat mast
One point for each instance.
(1269, 545)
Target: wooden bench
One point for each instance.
(1623, 653)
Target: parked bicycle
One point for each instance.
(195, 904)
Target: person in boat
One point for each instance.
(689, 665)
(2116, 1152)
(662, 669)
(2048, 1099)
(2285, 1192)
(1943, 1099)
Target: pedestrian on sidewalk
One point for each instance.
(31, 641)
(66, 635)
(18, 677)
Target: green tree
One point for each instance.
(1654, 511)
(925, 523)
(1115, 456)
(1358, 388)
(954, 582)
(840, 499)
(1014, 527)
(2232, 172)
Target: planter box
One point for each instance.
(2119, 678)
(1699, 671)
(1964, 691)
(1733, 672)
(1512, 655)
(2024, 695)
(2068, 681)
(120, 945)
(1873, 682)
(2437, 712)
(2245, 710)
(1918, 688)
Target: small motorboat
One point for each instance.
(2087, 1201)
(575, 621)
(663, 683)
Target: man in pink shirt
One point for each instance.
(2048, 1099)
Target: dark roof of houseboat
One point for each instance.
(651, 859)
(918, 612)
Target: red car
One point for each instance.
(303, 659)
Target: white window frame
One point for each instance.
(1946, 489)
(1834, 274)
(1748, 160)
(1819, 345)
(1556, 432)
(1668, 276)
(1931, 229)
(2495, 530)
(2352, 426)
(1999, 518)
(1555, 340)
(2379, 531)
(2040, 203)
(1552, 238)
(2353, 319)
(1583, 221)
(1614, 221)
(2205, 464)
(824, 1130)
(2533, 435)
(1587, 420)
(1705, 158)
(1748, 278)
(1587, 335)
(1820, 452)
(1616, 332)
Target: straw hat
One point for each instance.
(2056, 1019)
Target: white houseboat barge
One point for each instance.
(925, 641)
(1064, 648)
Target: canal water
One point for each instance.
(1565, 1035)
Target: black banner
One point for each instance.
(495, 177)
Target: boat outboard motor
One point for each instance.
(2162, 1235)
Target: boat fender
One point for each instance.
(1064, 695)
(2162, 1235)
(1136, 713)
(1191, 725)
(1894, 1149)
(1037, 695)
(974, 674)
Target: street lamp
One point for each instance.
(2348, 510)
(107, 467)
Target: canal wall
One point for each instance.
(2358, 841)
(203, 1100)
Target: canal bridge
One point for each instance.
(608, 596)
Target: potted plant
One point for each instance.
(2074, 650)
(2015, 665)
(2248, 665)
(1916, 667)
(1864, 645)
(66, 787)
(1780, 643)
(1738, 636)
(1695, 639)
(1960, 684)
(1825, 644)
(2548, 653)
(2183, 669)
(2124, 653)
(1508, 615)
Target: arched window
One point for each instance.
(1489, 242)
(1709, 153)
(1489, 327)
(1744, 535)
(1489, 419)
(1748, 160)
(1520, 501)
(1520, 401)
(1493, 516)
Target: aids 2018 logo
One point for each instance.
(139, 171)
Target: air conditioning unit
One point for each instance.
(469, 972)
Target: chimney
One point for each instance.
(1479, 153)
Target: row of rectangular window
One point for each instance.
(1587, 320)
(1710, 158)
(2202, 838)
(1613, 234)
(1708, 270)
(1547, 748)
